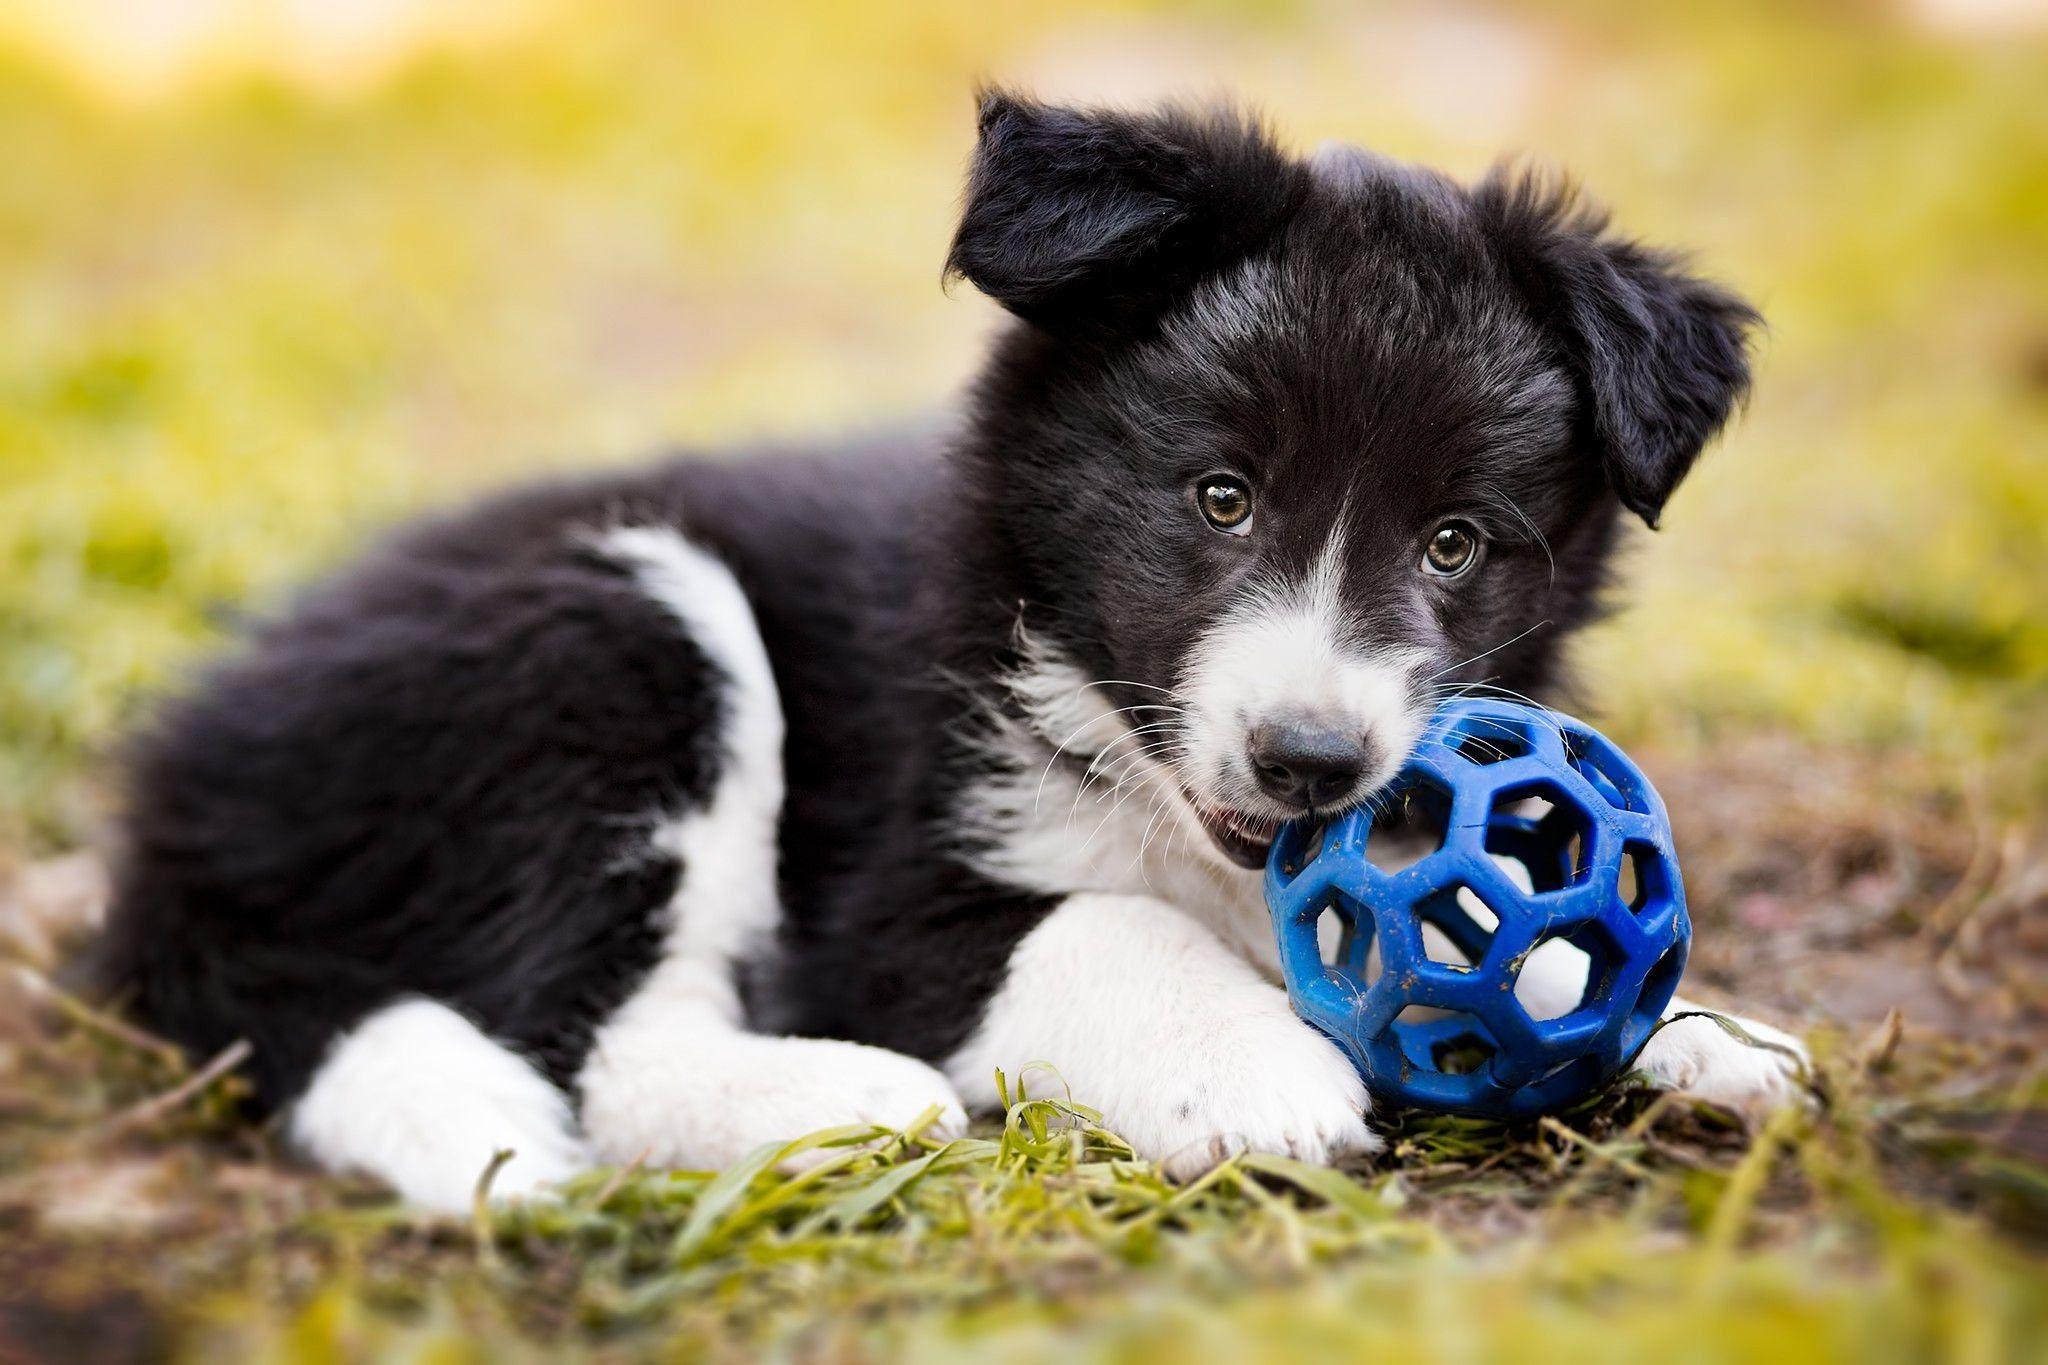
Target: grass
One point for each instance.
(267, 300)
(1638, 1223)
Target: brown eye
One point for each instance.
(1453, 548)
(1226, 504)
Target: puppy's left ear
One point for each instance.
(1661, 356)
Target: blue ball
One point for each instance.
(1546, 839)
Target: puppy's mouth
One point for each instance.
(1242, 838)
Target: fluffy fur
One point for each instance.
(729, 799)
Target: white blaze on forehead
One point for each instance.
(1284, 650)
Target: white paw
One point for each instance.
(856, 1084)
(1269, 1084)
(1701, 1058)
(1283, 1089)
(1188, 1053)
(536, 1174)
(705, 1100)
(418, 1097)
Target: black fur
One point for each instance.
(1075, 217)
(422, 779)
(1659, 355)
(434, 773)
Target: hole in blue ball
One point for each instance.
(1447, 1041)
(1568, 972)
(1492, 739)
(1461, 1056)
(1297, 846)
(1609, 774)
(1537, 825)
(1344, 942)
(1336, 937)
(1644, 883)
(1660, 984)
(1554, 979)
(1453, 935)
(1413, 827)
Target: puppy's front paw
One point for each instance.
(1189, 1055)
(1275, 1086)
(1699, 1057)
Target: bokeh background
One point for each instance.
(276, 271)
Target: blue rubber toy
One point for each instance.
(1546, 832)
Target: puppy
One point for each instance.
(681, 811)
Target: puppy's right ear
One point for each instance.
(1074, 215)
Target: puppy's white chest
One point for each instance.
(1062, 833)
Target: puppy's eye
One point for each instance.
(1226, 504)
(1453, 548)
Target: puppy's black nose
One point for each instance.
(1307, 763)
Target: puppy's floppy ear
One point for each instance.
(1661, 355)
(1076, 214)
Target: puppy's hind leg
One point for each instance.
(683, 1087)
(417, 1096)
(1695, 1054)
(1689, 1052)
(674, 1075)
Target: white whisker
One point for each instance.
(1484, 653)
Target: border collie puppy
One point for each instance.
(671, 813)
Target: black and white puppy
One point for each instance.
(677, 812)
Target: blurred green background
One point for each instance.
(275, 273)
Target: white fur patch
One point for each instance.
(676, 1081)
(673, 1074)
(417, 1096)
(1190, 1055)
(1108, 816)
(726, 905)
(1283, 651)
(1703, 1059)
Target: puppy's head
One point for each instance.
(1283, 451)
